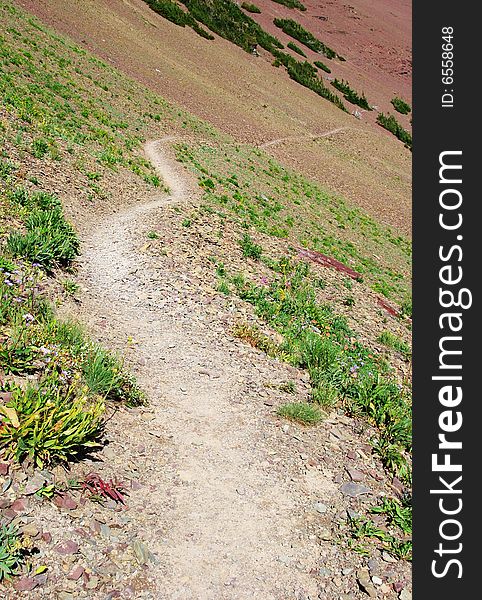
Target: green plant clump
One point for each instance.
(11, 551)
(350, 94)
(400, 105)
(49, 240)
(292, 4)
(391, 124)
(228, 20)
(298, 32)
(296, 49)
(249, 248)
(252, 8)
(322, 66)
(174, 13)
(302, 412)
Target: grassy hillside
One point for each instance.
(72, 130)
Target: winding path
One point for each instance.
(222, 524)
(300, 138)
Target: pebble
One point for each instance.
(320, 507)
(353, 489)
(376, 580)
(388, 557)
(365, 583)
(355, 475)
(322, 572)
(405, 595)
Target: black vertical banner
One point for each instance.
(447, 321)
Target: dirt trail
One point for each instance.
(222, 523)
(300, 138)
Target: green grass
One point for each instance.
(401, 106)
(392, 341)
(342, 370)
(49, 239)
(301, 412)
(249, 248)
(280, 203)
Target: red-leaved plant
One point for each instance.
(103, 490)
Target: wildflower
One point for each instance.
(44, 350)
(8, 282)
(29, 318)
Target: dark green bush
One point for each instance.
(350, 94)
(391, 124)
(292, 4)
(296, 31)
(322, 66)
(400, 105)
(296, 49)
(252, 8)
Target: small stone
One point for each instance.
(30, 529)
(47, 537)
(322, 572)
(92, 583)
(65, 501)
(405, 595)
(25, 584)
(351, 454)
(347, 571)
(304, 456)
(64, 595)
(67, 547)
(4, 467)
(76, 573)
(20, 505)
(324, 534)
(353, 489)
(365, 584)
(320, 507)
(34, 484)
(337, 581)
(355, 475)
(388, 557)
(373, 566)
(376, 580)
(385, 589)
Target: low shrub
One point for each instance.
(400, 105)
(350, 94)
(391, 124)
(322, 66)
(252, 8)
(296, 49)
